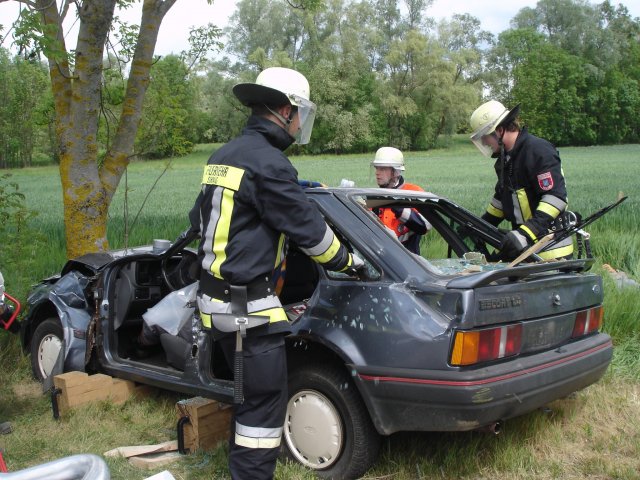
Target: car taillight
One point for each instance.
(477, 346)
(587, 321)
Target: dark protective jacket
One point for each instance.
(249, 205)
(530, 191)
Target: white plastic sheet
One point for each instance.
(171, 313)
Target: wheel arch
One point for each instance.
(303, 350)
(38, 314)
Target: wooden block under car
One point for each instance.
(79, 388)
(209, 423)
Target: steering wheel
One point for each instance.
(179, 275)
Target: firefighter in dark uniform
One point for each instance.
(249, 206)
(530, 192)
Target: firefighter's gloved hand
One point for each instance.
(357, 267)
(513, 243)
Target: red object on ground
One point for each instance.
(16, 311)
(3, 466)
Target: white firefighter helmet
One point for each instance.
(389, 157)
(486, 118)
(277, 86)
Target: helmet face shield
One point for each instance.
(306, 116)
(478, 139)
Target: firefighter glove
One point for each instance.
(357, 267)
(513, 243)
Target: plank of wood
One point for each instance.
(154, 460)
(135, 450)
(535, 248)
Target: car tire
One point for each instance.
(327, 426)
(45, 345)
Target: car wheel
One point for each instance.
(46, 344)
(327, 426)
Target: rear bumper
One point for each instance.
(459, 400)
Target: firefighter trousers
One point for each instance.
(257, 422)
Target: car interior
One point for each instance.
(140, 284)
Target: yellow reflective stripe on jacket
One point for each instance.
(331, 252)
(280, 253)
(529, 233)
(491, 210)
(223, 176)
(550, 210)
(556, 252)
(276, 314)
(349, 263)
(205, 318)
(326, 249)
(221, 233)
(524, 207)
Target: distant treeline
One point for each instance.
(380, 76)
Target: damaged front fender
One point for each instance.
(68, 297)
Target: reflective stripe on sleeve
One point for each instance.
(552, 205)
(257, 437)
(492, 210)
(529, 232)
(550, 210)
(560, 204)
(349, 263)
(562, 249)
(326, 249)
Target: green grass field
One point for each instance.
(594, 434)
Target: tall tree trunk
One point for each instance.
(87, 190)
(117, 159)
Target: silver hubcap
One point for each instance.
(313, 430)
(48, 352)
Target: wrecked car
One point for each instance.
(450, 340)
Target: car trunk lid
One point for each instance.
(521, 310)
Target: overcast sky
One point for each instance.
(494, 16)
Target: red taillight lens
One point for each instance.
(486, 345)
(587, 321)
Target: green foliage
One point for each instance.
(19, 242)
(549, 90)
(574, 68)
(34, 37)
(167, 129)
(201, 41)
(25, 111)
